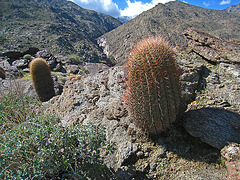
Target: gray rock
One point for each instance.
(93, 68)
(98, 98)
(51, 60)
(230, 70)
(21, 64)
(11, 71)
(216, 127)
(212, 48)
(127, 153)
(13, 54)
(125, 173)
(72, 69)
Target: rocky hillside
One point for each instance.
(169, 21)
(210, 78)
(56, 25)
(233, 9)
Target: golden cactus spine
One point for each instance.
(153, 86)
(42, 80)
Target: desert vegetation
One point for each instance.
(33, 145)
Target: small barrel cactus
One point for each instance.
(42, 80)
(2, 73)
(153, 86)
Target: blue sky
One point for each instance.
(117, 8)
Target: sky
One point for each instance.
(132, 8)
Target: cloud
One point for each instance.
(206, 4)
(135, 8)
(110, 8)
(103, 6)
(223, 2)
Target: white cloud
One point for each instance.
(109, 7)
(206, 4)
(135, 8)
(223, 2)
(103, 6)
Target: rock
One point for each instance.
(127, 153)
(93, 68)
(125, 173)
(11, 71)
(72, 69)
(98, 98)
(28, 88)
(115, 111)
(32, 51)
(216, 127)
(21, 64)
(208, 174)
(51, 60)
(230, 70)
(220, 75)
(12, 55)
(58, 88)
(191, 69)
(211, 48)
(233, 170)
(231, 154)
(63, 59)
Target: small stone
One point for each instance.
(221, 86)
(146, 154)
(225, 104)
(211, 102)
(139, 154)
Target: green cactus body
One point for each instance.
(153, 87)
(42, 80)
(2, 73)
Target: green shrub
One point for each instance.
(75, 59)
(15, 109)
(42, 149)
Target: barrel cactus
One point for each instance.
(42, 80)
(153, 86)
(2, 73)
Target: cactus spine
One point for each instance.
(42, 80)
(2, 73)
(153, 87)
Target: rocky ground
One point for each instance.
(209, 121)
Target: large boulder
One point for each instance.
(212, 48)
(216, 127)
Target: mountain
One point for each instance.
(124, 19)
(233, 9)
(168, 21)
(57, 25)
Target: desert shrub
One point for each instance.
(41, 148)
(16, 108)
(75, 59)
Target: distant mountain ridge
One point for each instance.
(60, 26)
(169, 21)
(233, 9)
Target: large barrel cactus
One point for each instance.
(2, 73)
(42, 80)
(153, 87)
